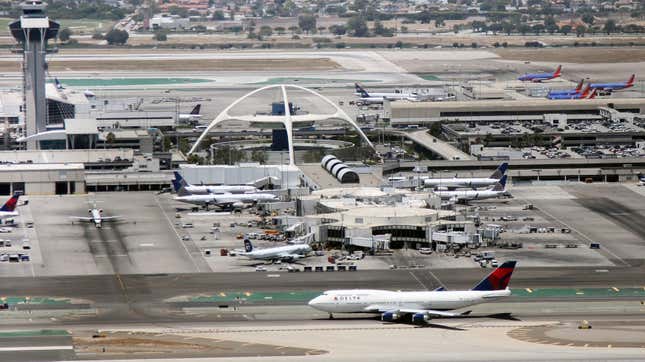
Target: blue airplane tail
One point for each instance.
(498, 279)
(360, 90)
(248, 247)
(501, 184)
(500, 171)
(179, 185)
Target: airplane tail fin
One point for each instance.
(360, 90)
(500, 171)
(593, 94)
(500, 185)
(498, 279)
(196, 110)
(11, 204)
(58, 84)
(586, 92)
(557, 71)
(631, 79)
(179, 185)
(248, 247)
(579, 87)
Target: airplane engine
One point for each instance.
(389, 316)
(100, 211)
(419, 318)
(238, 205)
(89, 211)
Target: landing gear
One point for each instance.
(331, 316)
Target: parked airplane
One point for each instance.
(468, 181)
(615, 86)
(96, 217)
(224, 200)
(418, 306)
(8, 210)
(588, 93)
(193, 117)
(378, 98)
(178, 182)
(288, 253)
(498, 190)
(539, 77)
(576, 90)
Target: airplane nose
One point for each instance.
(314, 302)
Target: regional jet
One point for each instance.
(463, 196)
(418, 306)
(96, 217)
(615, 86)
(468, 182)
(288, 253)
(8, 210)
(539, 77)
(180, 182)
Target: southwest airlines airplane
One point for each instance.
(419, 307)
(539, 77)
(577, 90)
(615, 86)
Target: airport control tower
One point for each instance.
(32, 32)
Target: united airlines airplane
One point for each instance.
(417, 307)
(472, 182)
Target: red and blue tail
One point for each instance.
(498, 279)
(11, 204)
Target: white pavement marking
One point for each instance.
(37, 348)
(176, 233)
(418, 280)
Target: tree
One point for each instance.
(566, 29)
(439, 22)
(338, 29)
(293, 29)
(524, 28)
(610, 26)
(538, 28)
(259, 156)
(507, 27)
(176, 10)
(307, 22)
(160, 36)
(550, 25)
(280, 30)
(357, 26)
(380, 30)
(218, 15)
(456, 28)
(588, 18)
(581, 30)
(265, 30)
(64, 35)
(117, 37)
(321, 29)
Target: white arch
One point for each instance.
(287, 119)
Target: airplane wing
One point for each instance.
(287, 256)
(110, 218)
(402, 311)
(81, 218)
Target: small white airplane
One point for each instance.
(469, 182)
(420, 306)
(180, 182)
(288, 253)
(193, 117)
(96, 217)
(8, 210)
(497, 191)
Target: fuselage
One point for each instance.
(226, 198)
(611, 86)
(277, 252)
(465, 195)
(362, 300)
(537, 77)
(234, 189)
(460, 182)
(97, 219)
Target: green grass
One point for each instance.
(428, 76)
(34, 300)
(42, 332)
(107, 82)
(286, 80)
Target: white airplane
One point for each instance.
(222, 200)
(378, 98)
(193, 117)
(469, 182)
(288, 253)
(498, 190)
(180, 182)
(8, 210)
(417, 307)
(96, 217)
